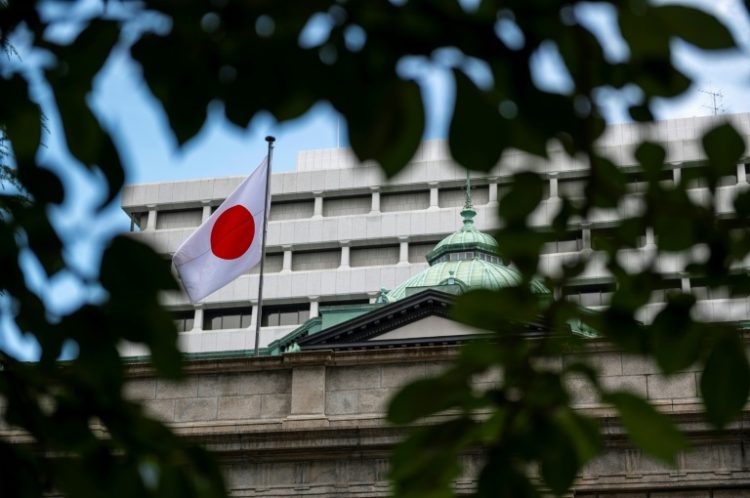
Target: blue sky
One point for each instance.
(124, 104)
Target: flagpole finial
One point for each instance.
(270, 139)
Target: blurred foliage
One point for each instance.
(260, 56)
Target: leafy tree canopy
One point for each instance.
(252, 57)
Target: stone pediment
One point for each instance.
(420, 319)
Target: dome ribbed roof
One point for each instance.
(464, 239)
(474, 274)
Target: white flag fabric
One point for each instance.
(229, 243)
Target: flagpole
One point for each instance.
(259, 312)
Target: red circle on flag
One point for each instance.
(233, 233)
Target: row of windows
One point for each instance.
(468, 256)
(590, 295)
(601, 294)
(241, 318)
(417, 200)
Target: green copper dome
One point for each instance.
(468, 274)
(466, 238)
(466, 259)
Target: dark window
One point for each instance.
(569, 242)
(287, 314)
(345, 302)
(590, 294)
(235, 318)
(183, 320)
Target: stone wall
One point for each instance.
(313, 424)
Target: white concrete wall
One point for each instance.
(407, 210)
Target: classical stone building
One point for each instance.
(361, 273)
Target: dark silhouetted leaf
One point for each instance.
(695, 26)
(478, 132)
(725, 382)
(649, 430)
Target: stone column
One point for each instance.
(553, 185)
(308, 398)
(318, 206)
(375, 204)
(434, 195)
(151, 221)
(314, 306)
(741, 173)
(198, 318)
(492, 201)
(206, 210)
(286, 265)
(403, 250)
(344, 255)
(586, 235)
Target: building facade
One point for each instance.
(339, 232)
(348, 279)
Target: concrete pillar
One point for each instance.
(254, 315)
(314, 306)
(434, 195)
(375, 204)
(206, 211)
(677, 174)
(741, 173)
(151, 221)
(198, 318)
(492, 191)
(586, 235)
(403, 250)
(286, 265)
(553, 185)
(318, 206)
(308, 402)
(344, 254)
(685, 282)
(650, 239)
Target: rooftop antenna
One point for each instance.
(717, 101)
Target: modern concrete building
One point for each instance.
(339, 232)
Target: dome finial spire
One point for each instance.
(468, 213)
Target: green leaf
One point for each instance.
(583, 432)
(427, 463)
(724, 147)
(478, 133)
(391, 135)
(524, 197)
(725, 382)
(559, 462)
(695, 26)
(649, 430)
(44, 185)
(677, 341)
(21, 119)
(426, 397)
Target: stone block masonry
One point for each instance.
(313, 423)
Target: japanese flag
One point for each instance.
(229, 243)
